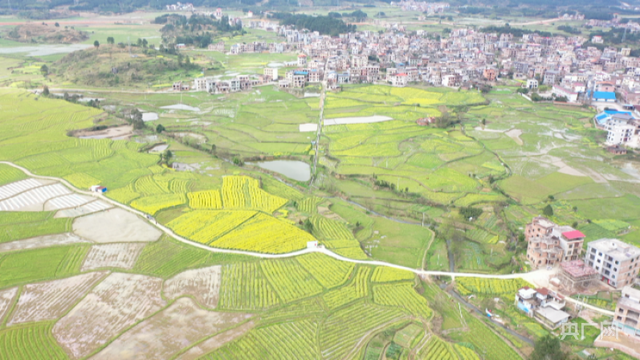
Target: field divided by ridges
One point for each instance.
(30, 342)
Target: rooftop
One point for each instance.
(553, 315)
(572, 235)
(544, 222)
(577, 269)
(629, 304)
(607, 95)
(615, 248)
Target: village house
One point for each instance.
(543, 305)
(617, 262)
(549, 244)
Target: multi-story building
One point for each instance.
(621, 129)
(617, 262)
(549, 244)
(627, 317)
(490, 74)
(270, 74)
(302, 60)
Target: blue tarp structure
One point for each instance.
(606, 115)
(602, 95)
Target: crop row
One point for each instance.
(330, 229)
(404, 296)
(359, 288)
(165, 258)
(243, 192)
(437, 349)
(342, 330)
(244, 287)
(290, 340)
(209, 199)
(205, 226)
(263, 233)
(479, 286)
(154, 203)
(488, 343)
(31, 342)
(9, 174)
(289, 279)
(309, 205)
(148, 186)
(465, 353)
(387, 274)
(328, 271)
(22, 225)
(352, 252)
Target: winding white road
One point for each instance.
(322, 250)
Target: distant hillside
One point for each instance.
(112, 65)
(45, 34)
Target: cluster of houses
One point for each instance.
(464, 58)
(548, 244)
(422, 6)
(178, 6)
(608, 261)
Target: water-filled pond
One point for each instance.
(293, 169)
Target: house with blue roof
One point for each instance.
(604, 96)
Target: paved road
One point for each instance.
(322, 250)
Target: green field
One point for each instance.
(390, 191)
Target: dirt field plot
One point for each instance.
(6, 299)
(85, 209)
(116, 133)
(122, 256)
(42, 241)
(202, 284)
(17, 187)
(216, 342)
(169, 331)
(115, 225)
(118, 302)
(50, 300)
(34, 199)
(67, 201)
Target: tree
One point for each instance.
(160, 128)
(484, 121)
(308, 225)
(548, 210)
(45, 91)
(44, 70)
(57, 25)
(548, 348)
(96, 44)
(144, 43)
(111, 40)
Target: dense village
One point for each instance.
(559, 68)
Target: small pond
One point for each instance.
(293, 169)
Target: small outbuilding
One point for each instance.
(98, 189)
